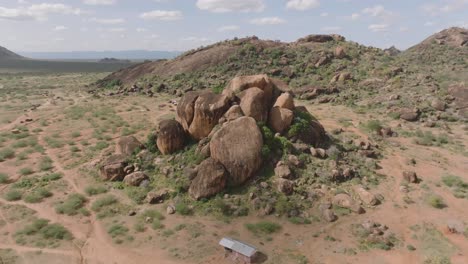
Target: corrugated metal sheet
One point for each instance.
(238, 246)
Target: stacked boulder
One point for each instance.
(226, 127)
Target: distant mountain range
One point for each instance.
(96, 55)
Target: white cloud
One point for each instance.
(152, 36)
(404, 29)
(196, 39)
(355, 16)
(302, 4)
(99, 2)
(267, 21)
(141, 29)
(378, 27)
(449, 6)
(375, 11)
(228, 28)
(223, 6)
(429, 24)
(324, 14)
(108, 21)
(60, 28)
(119, 29)
(331, 29)
(38, 12)
(162, 15)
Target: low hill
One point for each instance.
(95, 55)
(7, 54)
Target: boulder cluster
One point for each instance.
(227, 128)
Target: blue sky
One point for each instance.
(78, 25)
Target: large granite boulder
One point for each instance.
(210, 180)
(171, 136)
(280, 119)
(253, 104)
(237, 146)
(112, 169)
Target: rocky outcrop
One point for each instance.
(253, 103)
(345, 201)
(366, 197)
(339, 53)
(237, 146)
(239, 84)
(210, 180)
(135, 178)
(282, 170)
(127, 145)
(408, 114)
(112, 169)
(171, 136)
(438, 104)
(280, 119)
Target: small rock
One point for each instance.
(318, 152)
(283, 171)
(131, 213)
(170, 209)
(410, 176)
(285, 186)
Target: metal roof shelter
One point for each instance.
(238, 246)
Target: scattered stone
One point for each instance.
(155, 197)
(135, 178)
(455, 227)
(295, 161)
(410, 115)
(318, 153)
(345, 201)
(233, 113)
(410, 176)
(170, 209)
(367, 197)
(438, 104)
(283, 171)
(285, 186)
(131, 213)
(15, 131)
(112, 168)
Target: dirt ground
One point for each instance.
(74, 129)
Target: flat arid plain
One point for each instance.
(316, 151)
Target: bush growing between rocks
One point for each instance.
(436, 202)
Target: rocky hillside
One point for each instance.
(6, 54)
(324, 68)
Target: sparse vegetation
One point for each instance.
(72, 205)
(263, 227)
(436, 201)
(95, 190)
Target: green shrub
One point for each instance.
(436, 201)
(373, 125)
(183, 209)
(37, 195)
(95, 190)
(46, 230)
(103, 202)
(263, 227)
(52, 177)
(45, 164)
(6, 153)
(25, 171)
(13, 195)
(100, 145)
(454, 181)
(75, 134)
(72, 205)
(152, 213)
(4, 178)
(117, 230)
